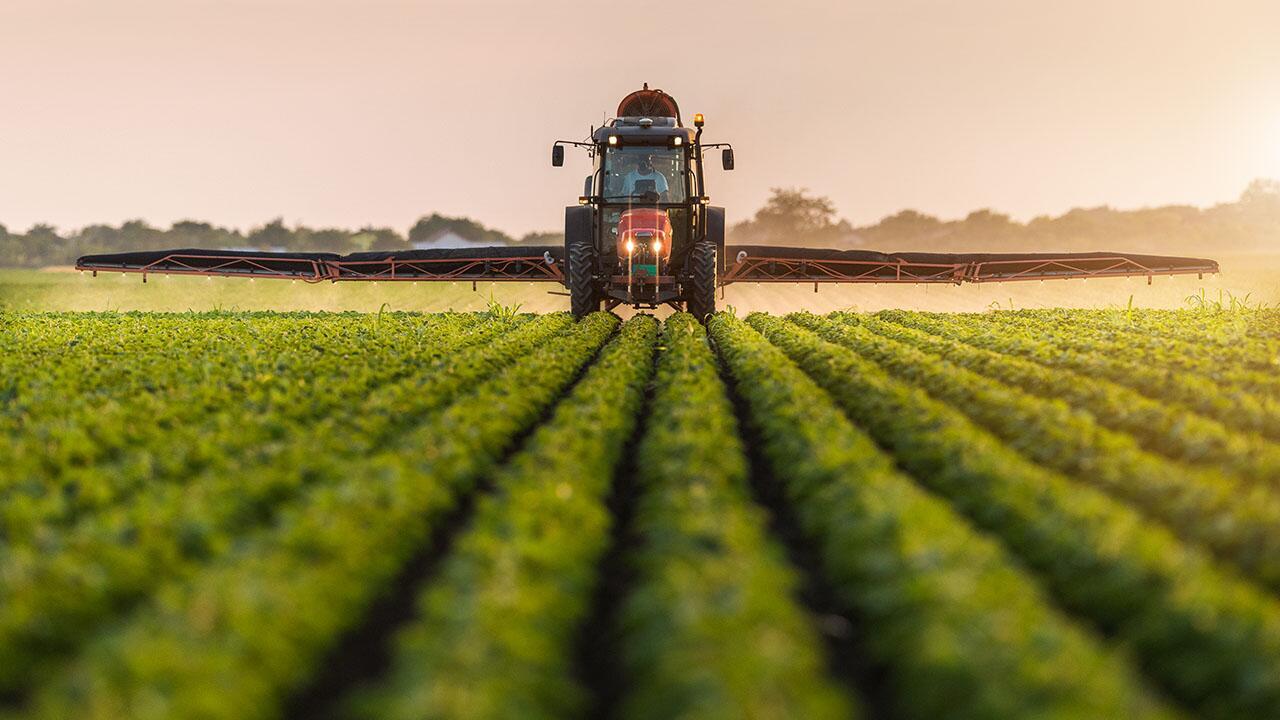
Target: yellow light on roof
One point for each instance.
(698, 119)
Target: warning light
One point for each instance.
(698, 119)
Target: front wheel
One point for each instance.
(583, 298)
(700, 291)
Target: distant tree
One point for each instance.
(907, 228)
(191, 233)
(324, 240)
(987, 218)
(369, 238)
(986, 229)
(912, 222)
(1262, 190)
(9, 248)
(272, 235)
(98, 239)
(793, 211)
(791, 215)
(192, 230)
(138, 235)
(428, 227)
(41, 245)
(542, 238)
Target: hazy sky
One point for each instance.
(354, 113)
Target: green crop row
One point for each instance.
(65, 583)
(33, 512)
(1223, 366)
(95, 358)
(1225, 334)
(1264, 324)
(961, 631)
(238, 637)
(179, 374)
(1237, 410)
(495, 632)
(1239, 522)
(1160, 428)
(712, 628)
(109, 364)
(176, 437)
(1212, 640)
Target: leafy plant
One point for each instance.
(498, 311)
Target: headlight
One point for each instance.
(657, 246)
(630, 247)
(677, 141)
(613, 139)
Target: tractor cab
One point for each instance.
(643, 211)
(644, 208)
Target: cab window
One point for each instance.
(639, 173)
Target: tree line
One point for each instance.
(44, 245)
(1251, 224)
(791, 216)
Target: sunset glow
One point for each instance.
(342, 113)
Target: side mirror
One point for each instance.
(557, 155)
(586, 186)
(726, 158)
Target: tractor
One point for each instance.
(644, 232)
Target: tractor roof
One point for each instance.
(631, 131)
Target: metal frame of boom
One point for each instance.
(533, 268)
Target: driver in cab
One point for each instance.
(639, 179)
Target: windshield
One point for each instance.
(644, 174)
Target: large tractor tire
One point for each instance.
(583, 298)
(580, 262)
(700, 293)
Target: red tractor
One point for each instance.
(644, 232)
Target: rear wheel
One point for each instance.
(700, 292)
(583, 297)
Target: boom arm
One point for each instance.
(762, 263)
(744, 263)
(491, 264)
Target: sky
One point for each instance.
(340, 113)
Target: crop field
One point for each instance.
(900, 514)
